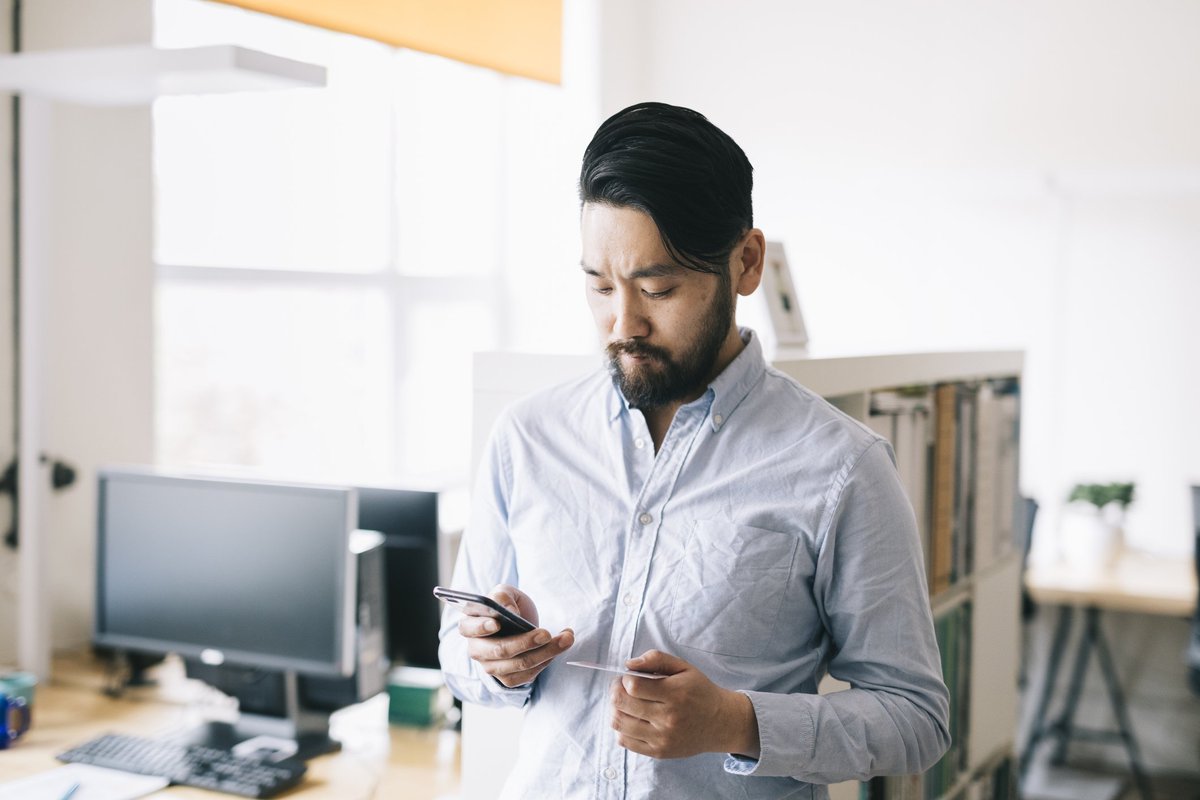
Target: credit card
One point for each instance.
(618, 670)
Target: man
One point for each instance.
(692, 513)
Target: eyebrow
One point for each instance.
(650, 271)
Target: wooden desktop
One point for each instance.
(1137, 582)
(377, 759)
(1134, 582)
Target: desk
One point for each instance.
(1135, 582)
(377, 759)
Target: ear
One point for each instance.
(748, 258)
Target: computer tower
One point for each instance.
(371, 663)
(410, 521)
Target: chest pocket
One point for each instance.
(729, 588)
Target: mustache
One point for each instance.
(635, 348)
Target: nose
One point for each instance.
(629, 318)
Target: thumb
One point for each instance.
(658, 662)
(515, 600)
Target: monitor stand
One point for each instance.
(287, 730)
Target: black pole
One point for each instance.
(11, 538)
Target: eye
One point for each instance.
(605, 290)
(657, 295)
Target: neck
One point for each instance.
(658, 420)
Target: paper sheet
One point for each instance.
(95, 783)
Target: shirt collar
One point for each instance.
(735, 382)
(727, 391)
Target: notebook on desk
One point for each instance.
(95, 783)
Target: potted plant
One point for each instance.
(1094, 521)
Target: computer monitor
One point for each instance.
(233, 574)
(409, 522)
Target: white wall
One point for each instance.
(947, 176)
(97, 341)
(987, 174)
(1128, 388)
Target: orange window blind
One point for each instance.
(517, 37)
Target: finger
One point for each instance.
(658, 662)
(531, 661)
(477, 626)
(506, 596)
(634, 736)
(646, 689)
(632, 726)
(514, 679)
(515, 600)
(509, 658)
(507, 647)
(626, 703)
(502, 648)
(638, 746)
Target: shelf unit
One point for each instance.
(992, 593)
(980, 590)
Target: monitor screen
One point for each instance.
(243, 572)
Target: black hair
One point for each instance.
(687, 174)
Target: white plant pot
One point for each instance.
(1089, 541)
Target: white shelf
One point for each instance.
(137, 74)
(830, 377)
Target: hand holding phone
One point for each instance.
(478, 605)
(515, 651)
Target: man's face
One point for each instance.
(663, 325)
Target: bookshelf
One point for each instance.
(956, 438)
(970, 523)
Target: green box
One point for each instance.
(413, 694)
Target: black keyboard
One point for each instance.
(190, 765)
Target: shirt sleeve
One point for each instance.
(485, 558)
(871, 590)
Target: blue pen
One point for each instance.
(70, 791)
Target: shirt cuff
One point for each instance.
(785, 736)
(515, 696)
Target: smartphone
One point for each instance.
(481, 605)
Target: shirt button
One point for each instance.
(639, 443)
(645, 519)
(610, 773)
(628, 599)
(717, 418)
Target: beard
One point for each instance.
(661, 379)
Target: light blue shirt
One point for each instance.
(766, 542)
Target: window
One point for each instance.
(328, 259)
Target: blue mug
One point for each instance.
(14, 718)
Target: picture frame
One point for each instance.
(783, 304)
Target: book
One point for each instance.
(987, 476)
(945, 460)
(996, 494)
(902, 416)
(963, 538)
